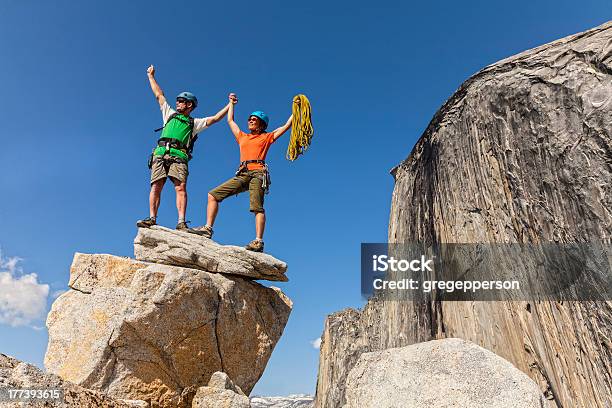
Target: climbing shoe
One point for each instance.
(255, 245)
(146, 223)
(182, 226)
(204, 230)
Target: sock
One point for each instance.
(259, 239)
(181, 219)
(154, 218)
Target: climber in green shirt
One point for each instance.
(173, 151)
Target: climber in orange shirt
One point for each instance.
(252, 174)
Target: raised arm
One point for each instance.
(222, 112)
(230, 116)
(159, 94)
(278, 132)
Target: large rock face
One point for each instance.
(439, 373)
(343, 342)
(156, 332)
(19, 375)
(520, 153)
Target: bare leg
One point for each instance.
(211, 210)
(154, 196)
(181, 197)
(260, 224)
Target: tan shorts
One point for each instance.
(168, 166)
(250, 180)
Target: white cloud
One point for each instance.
(23, 300)
(316, 343)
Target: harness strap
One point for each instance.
(173, 143)
(244, 163)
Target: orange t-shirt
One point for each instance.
(254, 147)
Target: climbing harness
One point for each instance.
(266, 181)
(301, 127)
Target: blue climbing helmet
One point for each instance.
(189, 96)
(262, 116)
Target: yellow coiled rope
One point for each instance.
(301, 127)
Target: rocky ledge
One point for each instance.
(162, 245)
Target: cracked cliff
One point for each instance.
(157, 327)
(521, 153)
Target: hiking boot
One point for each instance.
(146, 223)
(182, 226)
(256, 245)
(204, 230)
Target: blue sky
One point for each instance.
(77, 116)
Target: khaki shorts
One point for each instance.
(168, 166)
(250, 180)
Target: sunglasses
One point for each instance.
(181, 100)
(253, 119)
